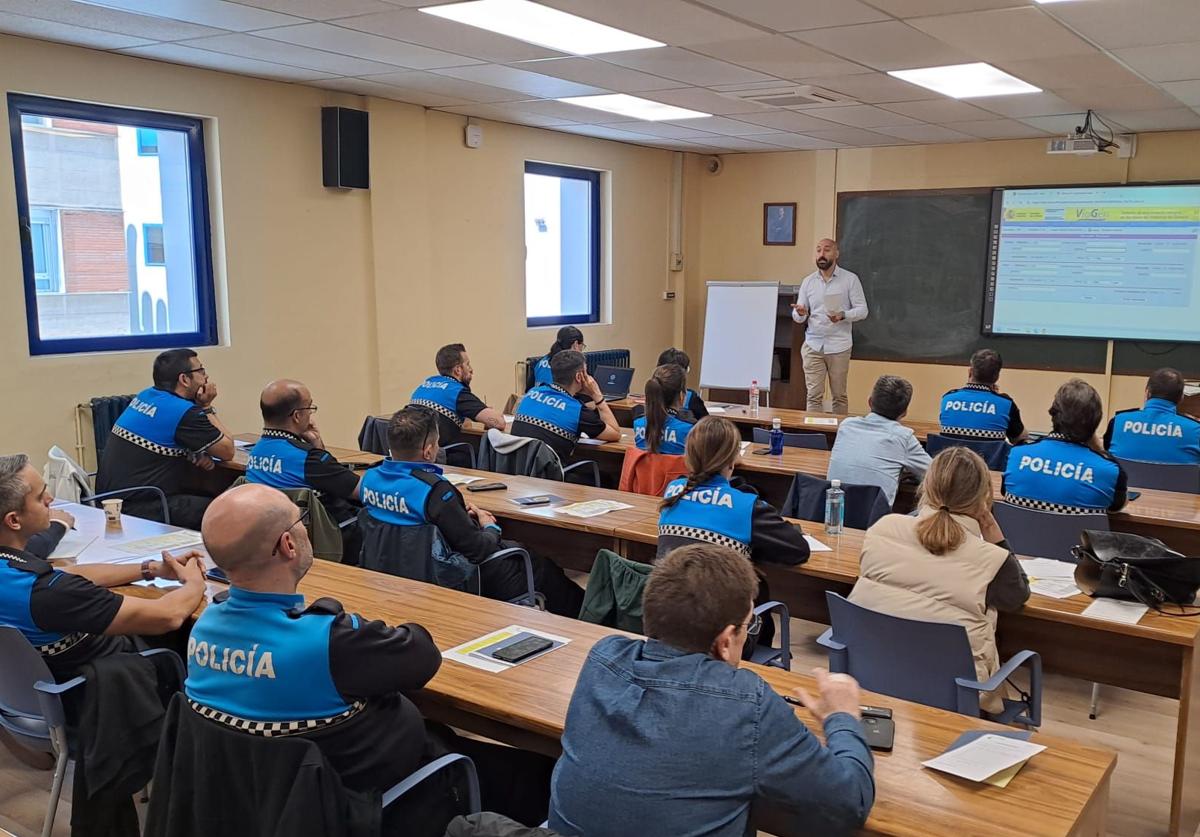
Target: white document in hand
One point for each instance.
(984, 757)
(834, 304)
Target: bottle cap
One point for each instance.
(835, 483)
(775, 424)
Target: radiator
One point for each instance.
(605, 357)
(105, 411)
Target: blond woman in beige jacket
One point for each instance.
(950, 563)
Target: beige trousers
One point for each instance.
(817, 367)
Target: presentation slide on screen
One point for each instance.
(1117, 262)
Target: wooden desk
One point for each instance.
(1061, 791)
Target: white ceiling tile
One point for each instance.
(673, 22)
(445, 86)
(1065, 123)
(747, 144)
(1121, 23)
(66, 33)
(320, 9)
(366, 46)
(697, 98)
(994, 129)
(921, 8)
(412, 4)
(873, 88)
(570, 113)
(1025, 104)
(218, 13)
(505, 113)
(367, 87)
(109, 20)
(262, 49)
(939, 110)
(180, 54)
(890, 45)
(1168, 119)
(786, 120)
(797, 141)
(1070, 71)
(510, 78)
(724, 126)
(607, 132)
(599, 74)
(853, 136)
(668, 130)
(862, 116)
(779, 55)
(790, 15)
(1187, 92)
(1171, 62)
(436, 32)
(681, 65)
(928, 133)
(1005, 34)
(1125, 97)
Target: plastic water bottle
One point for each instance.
(754, 398)
(835, 508)
(776, 438)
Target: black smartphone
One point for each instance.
(879, 732)
(875, 711)
(521, 650)
(216, 574)
(761, 452)
(486, 486)
(1130, 496)
(536, 500)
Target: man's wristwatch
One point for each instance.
(147, 575)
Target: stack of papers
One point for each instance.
(716, 410)
(477, 652)
(824, 422)
(72, 545)
(174, 540)
(460, 479)
(1048, 577)
(593, 508)
(992, 758)
(1115, 610)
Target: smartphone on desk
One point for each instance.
(537, 500)
(216, 574)
(877, 725)
(487, 486)
(522, 649)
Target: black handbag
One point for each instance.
(1118, 565)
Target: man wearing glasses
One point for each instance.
(291, 454)
(166, 432)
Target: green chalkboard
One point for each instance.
(1131, 358)
(922, 258)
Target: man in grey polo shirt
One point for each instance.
(830, 299)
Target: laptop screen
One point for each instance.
(614, 380)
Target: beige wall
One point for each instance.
(729, 212)
(350, 291)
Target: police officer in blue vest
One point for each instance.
(166, 433)
(979, 410)
(559, 412)
(1158, 432)
(693, 404)
(291, 454)
(448, 394)
(69, 615)
(1066, 471)
(569, 338)
(662, 426)
(408, 489)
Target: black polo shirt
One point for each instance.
(126, 464)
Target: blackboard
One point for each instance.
(922, 258)
(1132, 358)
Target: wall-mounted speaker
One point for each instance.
(345, 155)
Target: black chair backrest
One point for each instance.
(1183, 478)
(1044, 534)
(416, 552)
(806, 500)
(373, 437)
(811, 441)
(994, 451)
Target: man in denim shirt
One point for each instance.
(668, 736)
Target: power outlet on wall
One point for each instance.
(668, 295)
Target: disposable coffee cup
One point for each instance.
(112, 511)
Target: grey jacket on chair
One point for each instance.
(518, 455)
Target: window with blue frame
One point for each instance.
(562, 245)
(114, 219)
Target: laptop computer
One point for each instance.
(614, 381)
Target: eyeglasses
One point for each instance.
(279, 540)
(197, 369)
(312, 408)
(753, 626)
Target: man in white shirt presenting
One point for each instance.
(830, 299)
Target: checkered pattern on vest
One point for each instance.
(553, 428)
(154, 447)
(441, 410)
(973, 433)
(59, 646)
(1056, 508)
(273, 729)
(697, 534)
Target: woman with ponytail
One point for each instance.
(660, 427)
(568, 338)
(950, 563)
(707, 506)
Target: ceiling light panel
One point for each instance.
(635, 107)
(963, 81)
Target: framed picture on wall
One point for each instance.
(779, 224)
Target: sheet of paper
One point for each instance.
(1115, 610)
(984, 757)
(460, 479)
(745, 446)
(173, 540)
(1191, 389)
(593, 508)
(823, 422)
(1042, 568)
(815, 545)
(1055, 588)
(468, 656)
(72, 545)
(242, 444)
(716, 410)
(834, 304)
(1001, 779)
(584, 440)
(162, 583)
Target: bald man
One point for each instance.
(258, 654)
(830, 299)
(291, 454)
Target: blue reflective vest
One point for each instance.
(975, 411)
(440, 394)
(552, 408)
(674, 434)
(151, 419)
(541, 372)
(687, 399)
(1156, 433)
(277, 461)
(16, 590)
(392, 494)
(1059, 473)
(713, 512)
(255, 656)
